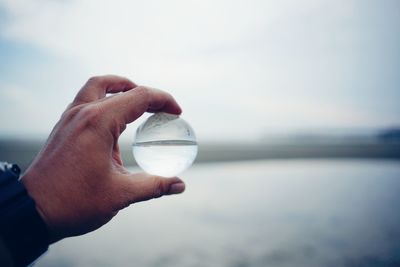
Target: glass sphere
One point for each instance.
(164, 145)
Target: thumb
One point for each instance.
(142, 187)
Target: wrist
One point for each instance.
(30, 182)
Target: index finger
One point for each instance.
(98, 86)
(128, 106)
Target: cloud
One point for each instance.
(237, 67)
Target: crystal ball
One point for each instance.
(164, 145)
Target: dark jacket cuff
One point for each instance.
(21, 227)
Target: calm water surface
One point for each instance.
(259, 213)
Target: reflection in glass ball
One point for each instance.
(164, 145)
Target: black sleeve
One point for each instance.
(22, 230)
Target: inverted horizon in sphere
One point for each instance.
(164, 145)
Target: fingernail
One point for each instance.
(176, 188)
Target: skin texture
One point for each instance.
(78, 180)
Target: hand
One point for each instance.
(78, 180)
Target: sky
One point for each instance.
(241, 70)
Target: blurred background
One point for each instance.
(295, 105)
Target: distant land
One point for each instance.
(383, 145)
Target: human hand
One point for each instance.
(78, 180)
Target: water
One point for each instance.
(303, 213)
(165, 158)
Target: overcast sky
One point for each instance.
(239, 69)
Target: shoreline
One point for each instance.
(23, 152)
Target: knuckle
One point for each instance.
(144, 97)
(89, 112)
(94, 80)
(142, 91)
(70, 113)
(158, 187)
(89, 115)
